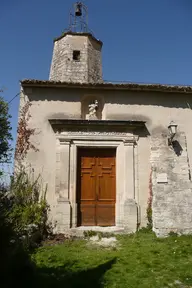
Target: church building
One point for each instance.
(110, 154)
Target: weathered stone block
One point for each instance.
(130, 215)
(172, 202)
(62, 216)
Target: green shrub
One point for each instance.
(173, 234)
(149, 217)
(90, 233)
(29, 210)
(15, 260)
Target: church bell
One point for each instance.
(78, 9)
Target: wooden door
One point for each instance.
(96, 193)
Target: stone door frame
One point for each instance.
(66, 169)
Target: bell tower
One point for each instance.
(77, 53)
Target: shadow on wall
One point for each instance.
(142, 132)
(63, 276)
(177, 147)
(150, 98)
(55, 94)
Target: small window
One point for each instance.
(76, 55)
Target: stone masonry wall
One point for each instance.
(94, 62)
(172, 197)
(65, 69)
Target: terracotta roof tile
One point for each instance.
(109, 86)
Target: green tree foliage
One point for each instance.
(5, 131)
(23, 208)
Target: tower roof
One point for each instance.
(88, 34)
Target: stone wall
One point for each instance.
(94, 62)
(172, 200)
(87, 69)
(171, 185)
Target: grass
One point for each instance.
(141, 261)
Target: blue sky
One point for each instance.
(144, 40)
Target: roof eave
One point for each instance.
(107, 86)
(78, 34)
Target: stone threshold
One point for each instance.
(112, 229)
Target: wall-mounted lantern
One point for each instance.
(172, 132)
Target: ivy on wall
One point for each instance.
(24, 133)
(149, 207)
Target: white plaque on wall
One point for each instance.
(162, 178)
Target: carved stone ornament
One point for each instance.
(127, 138)
(92, 133)
(93, 110)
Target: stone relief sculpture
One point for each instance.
(92, 107)
(93, 110)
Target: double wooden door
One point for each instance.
(96, 187)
